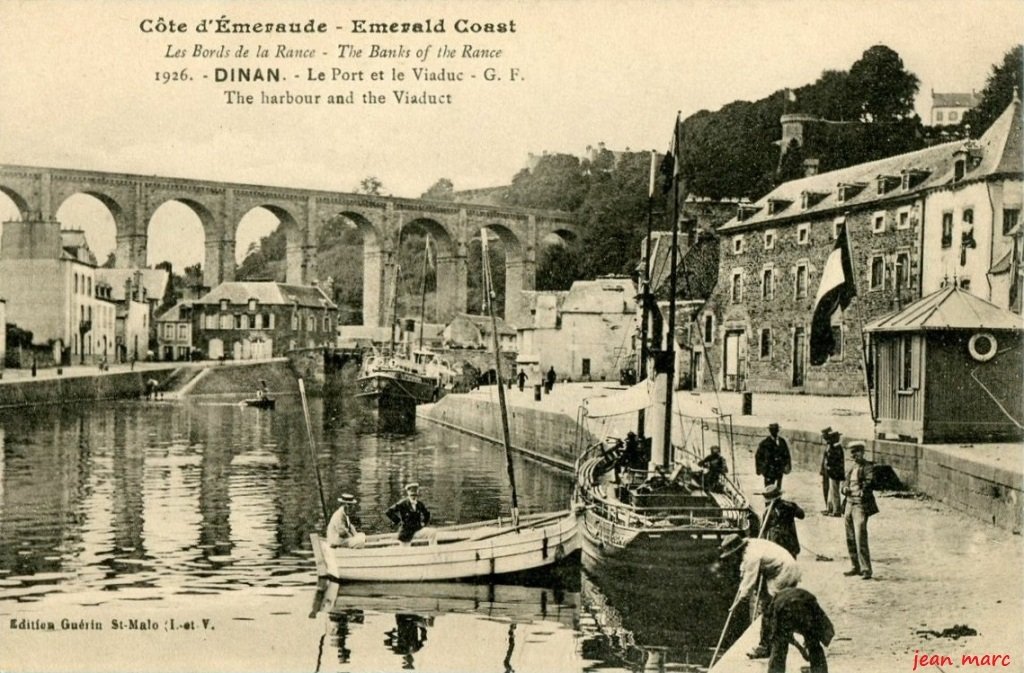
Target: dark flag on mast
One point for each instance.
(837, 289)
(670, 162)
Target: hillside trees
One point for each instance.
(998, 91)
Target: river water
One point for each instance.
(173, 536)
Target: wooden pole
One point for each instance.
(312, 451)
(489, 299)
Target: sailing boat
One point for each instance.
(462, 551)
(396, 379)
(654, 515)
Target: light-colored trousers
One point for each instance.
(857, 537)
(835, 497)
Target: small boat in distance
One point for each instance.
(260, 402)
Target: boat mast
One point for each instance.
(394, 293)
(489, 301)
(645, 288)
(670, 351)
(423, 288)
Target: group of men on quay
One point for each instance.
(769, 573)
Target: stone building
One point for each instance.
(916, 221)
(174, 332)
(948, 108)
(585, 334)
(250, 320)
(474, 331)
(48, 278)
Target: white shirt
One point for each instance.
(340, 527)
(776, 565)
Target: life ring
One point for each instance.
(989, 346)
(391, 362)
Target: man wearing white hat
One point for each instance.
(767, 560)
(341, 532)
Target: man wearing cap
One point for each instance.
(778, 523)
(412, 515)
(714, 467)
(860, 504)
(835, 465)
(341, 532)
(765, 560)
(772, 458)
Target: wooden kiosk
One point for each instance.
(948, 368)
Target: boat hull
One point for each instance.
(391, 387)
(461, 552)
(260, 403)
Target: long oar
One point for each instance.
(312, 451)
(725, 628)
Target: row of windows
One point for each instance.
(954, 116)
(765, 343)
(169, 330)
(83, 284)
(224, 321)
(879, 224)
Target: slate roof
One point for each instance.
(604, 295)
(153, 280)
(999, 149)
(950, 308)
(483, 323)
(267, 293)
(74, 246)
(173, 314)
(955, 99)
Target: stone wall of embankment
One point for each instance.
(949, 474)
(61, 390)
(243, 378)
(547, 436)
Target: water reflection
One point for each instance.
(112, 508)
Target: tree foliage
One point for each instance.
(442, 190)
(371, 185)
(998, 92)
(882, 87)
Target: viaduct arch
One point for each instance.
(132, 200)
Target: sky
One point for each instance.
(80, 87)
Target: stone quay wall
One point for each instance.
(61, 390)
(948, 474)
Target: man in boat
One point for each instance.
(772, 458)
(765, 566)
(859, 505)
(261, 389)
(835, 466)
(714, 467)
(412, 515)
(778, 523)
(341, 532)
(797, 611)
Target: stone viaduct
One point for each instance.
(38, 193)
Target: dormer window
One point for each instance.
(223, 304)
(252, 305)
(811, 199)
(912, 178)
(776, 206)
(886, 183)
(745, 211)
(959, 169)
(848, 190)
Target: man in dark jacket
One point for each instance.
(859, 506)
(714, 467)
(778, 523)
(772, 458)
(835, 472)
(825, 434)
(550, 379)
(413, 516)
(795, 610)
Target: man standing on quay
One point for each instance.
(860, 504)
(825, 434)
(772, 458)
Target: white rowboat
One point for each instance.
(463, 551)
